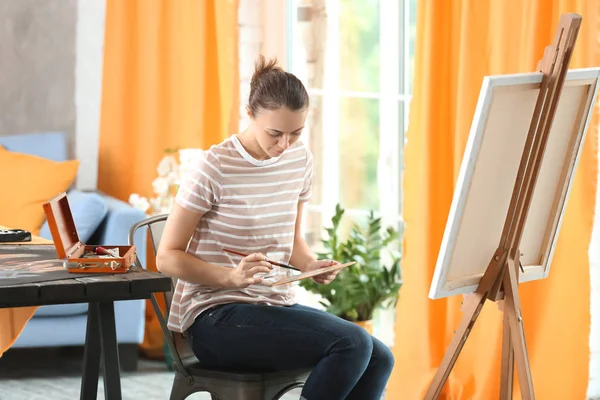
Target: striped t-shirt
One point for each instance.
(249, 206)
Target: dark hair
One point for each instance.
(272, 88)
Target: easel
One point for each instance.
(500, 280)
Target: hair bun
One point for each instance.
(263, 67)
(271, 88)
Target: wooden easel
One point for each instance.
(500, 280)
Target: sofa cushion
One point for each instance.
(61, 310)
(49, 145)
(28, 182)
(88, 210)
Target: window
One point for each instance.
(356, 59)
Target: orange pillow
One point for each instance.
(26, 183)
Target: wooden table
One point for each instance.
(100, 292)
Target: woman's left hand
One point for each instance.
(323, 279)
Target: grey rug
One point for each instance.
(55, 374)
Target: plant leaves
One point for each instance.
(362, 288)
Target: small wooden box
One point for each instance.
(71, 249)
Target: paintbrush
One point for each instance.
(269, 261)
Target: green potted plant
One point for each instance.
(369, 284)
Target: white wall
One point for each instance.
(250, 44)
(257, 36)
(88, 88)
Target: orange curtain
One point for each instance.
(170, 80)
(457, 44)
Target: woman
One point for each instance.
(247, 194)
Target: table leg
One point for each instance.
(110, 352)
(91, 354)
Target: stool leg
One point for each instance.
(181, 388)
(276, 392)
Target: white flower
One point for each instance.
(164, 186)
(167, 164)
(139, 202)
(173, 178)
(156, 204)
(187, 158)
(160, 185)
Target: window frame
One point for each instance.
(393, 97)
(394, 100)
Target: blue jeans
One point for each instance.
(346, 362)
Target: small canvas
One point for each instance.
(489, 169)
(309, 274)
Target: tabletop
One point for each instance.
(33, 276)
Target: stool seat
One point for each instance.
(236, 384)
(197, 369)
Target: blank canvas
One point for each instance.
(487, 176)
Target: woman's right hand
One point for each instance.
(243, 275)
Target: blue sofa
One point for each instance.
(65, 325)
